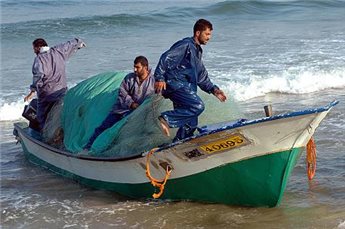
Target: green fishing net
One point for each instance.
(87, 104)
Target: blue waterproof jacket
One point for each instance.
(182, 67)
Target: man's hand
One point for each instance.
(220, 95)
(29, 96)
(159, 86)
(134, 106)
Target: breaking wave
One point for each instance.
(302, 83)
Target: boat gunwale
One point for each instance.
(66, 153)
(241, 123)
(226, 127)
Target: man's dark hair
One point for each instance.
(39, 42)
(142, 60)
(202, 25)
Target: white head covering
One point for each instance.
(44, 49)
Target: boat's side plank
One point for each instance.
(193, 156)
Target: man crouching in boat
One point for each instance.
(49, 74)
(134, 89)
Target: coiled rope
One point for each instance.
(155, 182)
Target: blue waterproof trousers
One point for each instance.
(43, 108)
(187, 107)
(45, 104)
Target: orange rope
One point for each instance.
(311, 158)
(156, 183)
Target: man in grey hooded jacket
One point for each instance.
(134, 89)
(49, 74)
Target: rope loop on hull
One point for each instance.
(155, 182)
(311, 158)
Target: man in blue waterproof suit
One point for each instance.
(178, 74)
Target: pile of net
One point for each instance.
(86, 105)
(52, 133)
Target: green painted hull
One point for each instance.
(255, 182)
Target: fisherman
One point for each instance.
(49, 74)
(178, 74)
(134, 89)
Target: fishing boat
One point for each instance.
(243, 162)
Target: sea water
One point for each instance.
(290, 54)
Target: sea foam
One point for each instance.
(11, 110)
(291, 83)
(241, 88)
